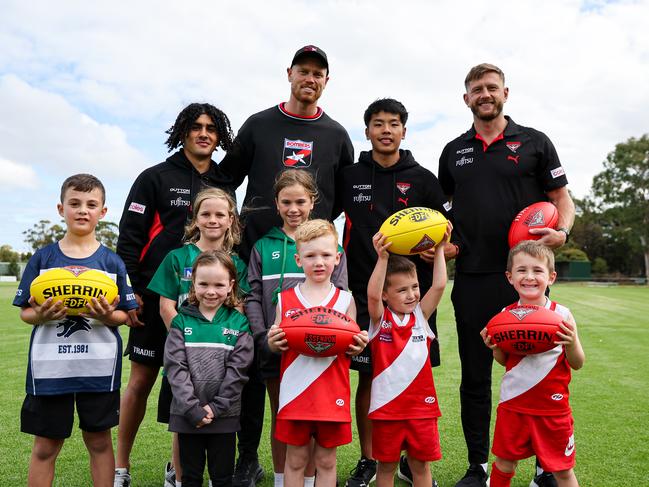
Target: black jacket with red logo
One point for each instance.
(156, 211)
(273, 140)
(490, 184)
(370, 193)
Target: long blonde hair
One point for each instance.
(232, 235)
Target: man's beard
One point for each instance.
(487, 117)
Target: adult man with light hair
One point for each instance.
(490, 173)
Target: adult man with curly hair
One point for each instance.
(155, 214)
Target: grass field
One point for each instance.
(608, 396)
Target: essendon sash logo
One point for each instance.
(403, 187)
(76, 270)
(297, 153)
(536, 219)
(522, 312)
(424, 244)
(319, 343)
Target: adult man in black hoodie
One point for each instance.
(385, 180)
(153, 222)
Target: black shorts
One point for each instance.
(53, 416)
(146, 343)
(363, 362)
(164, 401)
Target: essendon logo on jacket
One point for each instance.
(297, 153)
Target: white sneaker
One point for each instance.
(170, 475)
(122, 478)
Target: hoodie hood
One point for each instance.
(406, 161)
(276, 233)
(191, 310)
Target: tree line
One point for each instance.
(612, 221)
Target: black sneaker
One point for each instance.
(362, 474)
(545, 479)
(405, 474)
(475, 476)
(247, 472)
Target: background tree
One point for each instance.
(14, 267)
(7, 253)
(107, 233)
(604, 234)
(44, 233)
(622, 191)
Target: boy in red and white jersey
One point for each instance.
(534, 416)
(403, 401)
(314, 392)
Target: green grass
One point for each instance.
(608, 396)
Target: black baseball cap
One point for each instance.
(312, 51)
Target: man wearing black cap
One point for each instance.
(293, 134)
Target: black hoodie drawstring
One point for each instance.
(372, 187)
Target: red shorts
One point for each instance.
(419, 437)
(328, 434)
(550, 438)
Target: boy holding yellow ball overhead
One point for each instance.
(74, 359)
(385, 180)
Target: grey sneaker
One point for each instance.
(362, 474)
(122, 478)
(405, 474)
(170, 475)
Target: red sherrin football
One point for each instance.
(525, 329)
(319, 331)
(538, 215)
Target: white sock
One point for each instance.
(539, 470)
(180, 484)
(279, 480)
(484, 467)
(121, 470)
(309, 481)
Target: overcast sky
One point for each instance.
(92, 86)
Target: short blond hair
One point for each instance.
(534, 249)
(477, 72)
(312, 229)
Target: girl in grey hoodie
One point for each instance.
(207, 355)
